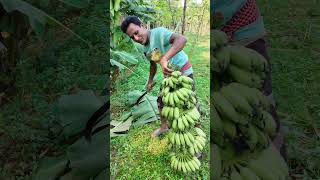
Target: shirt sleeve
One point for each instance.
(164, 36)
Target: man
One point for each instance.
(170, 46)
(243, 23)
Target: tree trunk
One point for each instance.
(198, 31)
(184, 16)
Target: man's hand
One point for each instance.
(164, 66)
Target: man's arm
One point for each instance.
(153, 70)
(178, 42)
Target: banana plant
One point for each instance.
(123, 51)
(16, 18)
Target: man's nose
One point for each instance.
(136, 37)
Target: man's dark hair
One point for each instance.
(130, 19)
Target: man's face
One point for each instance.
(137, 33)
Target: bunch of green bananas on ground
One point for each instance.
(181, 112)
(242, 128)
(237, 63)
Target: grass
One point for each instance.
(137, 155)
(294, 46)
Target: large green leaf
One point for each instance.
(76, 3)
(134, 95)
(76, 109)
(25, 8)
(118, 64)
(124, 56)
(37, 18)
(122, 126)
(51, 167)
(146, 111)
(87, 160)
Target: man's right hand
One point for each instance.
(164, 66)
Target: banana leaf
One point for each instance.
(134, 95)
(124, 56)
(37, 18)
(121, 126)
(76, 109)
(89, 159)
(51, 168)
(146, 111)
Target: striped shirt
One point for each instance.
(240, 16)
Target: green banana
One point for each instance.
(263, 139)
(216, 128)
(183, 143)
(216, 162)
(187, 80)
(270, 124)
(180, 125)
(177, 138)
(258, 61)
(176, 113)
(187, 86)
(244, 77)
(200, 132)
(219, 37)
(187, 140)
(190, 137)
(171, 101)
(185, 122)
(245, 91)
(174, 124)
(180, 95)
(170, 82)
(223, 57)
(225, 107)
(238, 102)
(176, 98)
(194, 164)
(229, 129)
(176, 74)
(171, 111)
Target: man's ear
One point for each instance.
(144, 26)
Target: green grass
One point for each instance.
(294, 46)
(137, 155)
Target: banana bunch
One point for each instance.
(242, 128)
(265, 165)
(237, 63)
(242, 116)
(182, 114)
(194, 141)
(184, 162)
